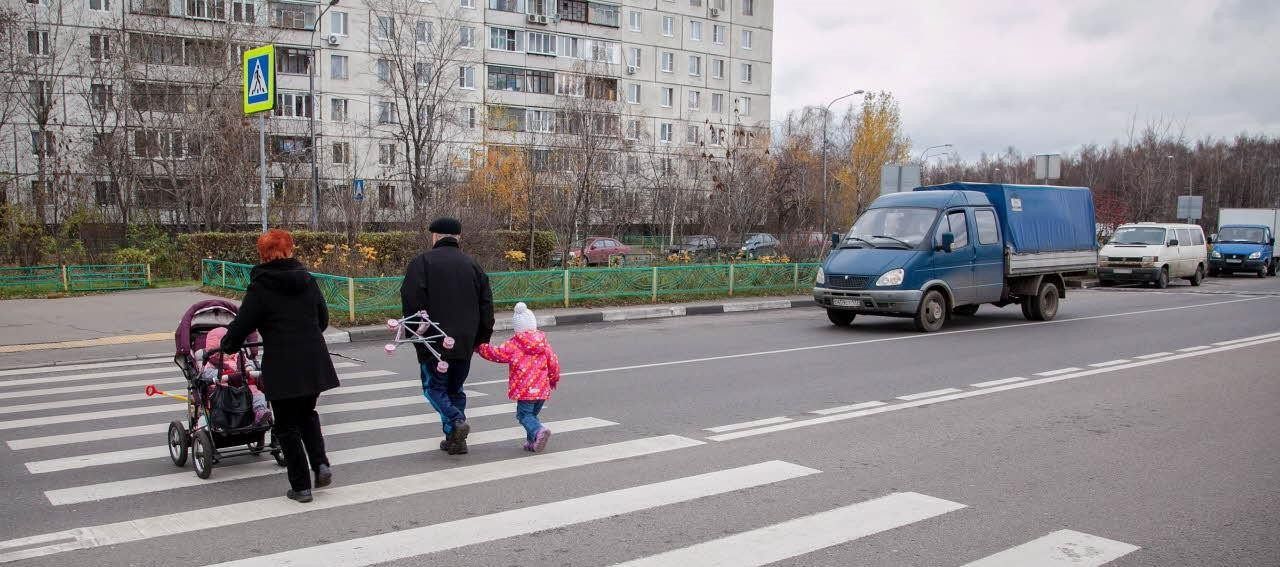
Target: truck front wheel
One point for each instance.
(840, 318)
(932, 312)
(1044, 306)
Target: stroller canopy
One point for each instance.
(210, 312)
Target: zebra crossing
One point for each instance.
(104, 474)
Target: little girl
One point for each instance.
(534, 370)
(222, 365)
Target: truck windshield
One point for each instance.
(1146, 235)
(891, 227)
(1242, 234)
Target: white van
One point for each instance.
(1153, 253)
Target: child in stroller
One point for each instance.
(235, 370)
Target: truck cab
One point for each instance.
(1243, 248)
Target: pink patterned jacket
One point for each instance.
(534, 369)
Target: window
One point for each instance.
(338, 110)
(100, 5)
(691, 134)
(386, 27)
(633, 130)
(571, 47)
(541, 82)
(37, 42)
(664, 132)
(387, 113)
(540, 120)
(508, 118)
(507, 5)
(635, 18)
(539, 7)
(423, 72)
(467, 37)
(386, 196)
(570, 85)
(468, 117)
(341, 152)
(748, 7)
(100, 96)
(292, 61)
(423, 31)
(293, 105)
(206, 9)
(695, 100)
(604, 51)
(338, 68)
(633, 94)
(633, 57)
(572, 10)
(695, 3)
(695, 30)
(99, 47)
(293, 16)
(668, 26)
(41, 93)
(668, 93)
(603, 15)
(717, 103)
(382, 68)
(467, 77)
(717, 34)
(695, 66)
(744, 106)
(746, 72)
(955, 224)
(668, 62)
(504, 39)
(338, 23)
(747, 37)
(467, 3)
(170, 144)
(541, 43)
(506, 78)
(1197, 237)
(104, 193)
(42, 143)
(988, 230)
(717, 68)
(242, 11)
(386, 154)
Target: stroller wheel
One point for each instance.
(179, 442)
(202, 453)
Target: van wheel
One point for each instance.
(1198, 277)
(932, 312)
(1044, 306)
(967, 310)
(1162, 279)
(840, 318)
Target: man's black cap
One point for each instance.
(446, 225)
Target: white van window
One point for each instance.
(1184, 237)
(1139, 235)
(1197, 237)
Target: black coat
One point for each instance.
(284, 304)
(454, 291)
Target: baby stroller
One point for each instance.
(219, 422)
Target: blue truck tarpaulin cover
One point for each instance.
(1038, 218)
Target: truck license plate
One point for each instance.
(1123, 271)
(846, 302)
(1233, 261)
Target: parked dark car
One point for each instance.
(760, 244)
(697, 245)
(595, 250)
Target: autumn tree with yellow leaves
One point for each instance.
(877, 139)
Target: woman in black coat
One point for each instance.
(284, 304)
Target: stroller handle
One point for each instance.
(212, 351)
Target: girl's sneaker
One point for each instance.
(540, 439)
(528, 446)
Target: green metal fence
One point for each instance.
(86, 277)
(369, 295)
(647, 241)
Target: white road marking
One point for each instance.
(486, 382)
(93, 416)
(87, 436)
(1194, 348)
(1234, 341)
(1000, 382)
(747, 424)
(122, 385)
(116, 489)
(92, 376)
(207, 518)
(1058, 372)
(1110, 363)
(160, 451)
(910, 337)
(414, 542)
(1063, 547)
(850, 407)
(974, 393)
(789, 539)
(87, 366)
(929, 394)
(1154, 355)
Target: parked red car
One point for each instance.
(596, 250)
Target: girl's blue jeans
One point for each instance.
(527, 414)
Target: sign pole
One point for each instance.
(262, 166)
(259, 91)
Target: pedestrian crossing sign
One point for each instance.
(259, 79)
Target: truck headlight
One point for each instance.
(1215, 254)
(821, 279)
(1255, 255)
(1148, 259)
(891, 277)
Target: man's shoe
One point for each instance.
(461, 429)
(444, 445)
(302, 496)
(324, 477)
(458, 448)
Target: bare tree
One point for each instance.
(588, 139)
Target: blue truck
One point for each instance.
(945, 250)
(1245, 242)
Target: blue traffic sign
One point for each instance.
(358, 187)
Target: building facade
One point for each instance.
(134, 104)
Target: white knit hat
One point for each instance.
(523, 320)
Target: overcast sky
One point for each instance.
(1043, 76)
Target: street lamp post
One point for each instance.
(311, 120)
(826, 118)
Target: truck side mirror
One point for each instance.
(1173, 242)
(948, 240)
(1271, 242)
(1213, 237)
(835, 240)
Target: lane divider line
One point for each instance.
(1058, 372)
(1110, 363)
(851, 407)
(1154, 355)
(1194, 348)
(748, 424)
(166, 359)
(929, 394)
(990, 383)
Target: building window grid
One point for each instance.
(695, 66)
(668, 62)
(668, 26)
(695, 30)
(636, 20)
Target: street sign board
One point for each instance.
(357, 187)
(1190, 207)
(1049, 166)
(896, 178)
(259, 79)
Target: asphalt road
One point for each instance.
(1137, 429)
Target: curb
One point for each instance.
(380, 333)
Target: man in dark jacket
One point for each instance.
(454, 291)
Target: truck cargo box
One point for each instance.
(1045, 227)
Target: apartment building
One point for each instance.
(403, 90)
